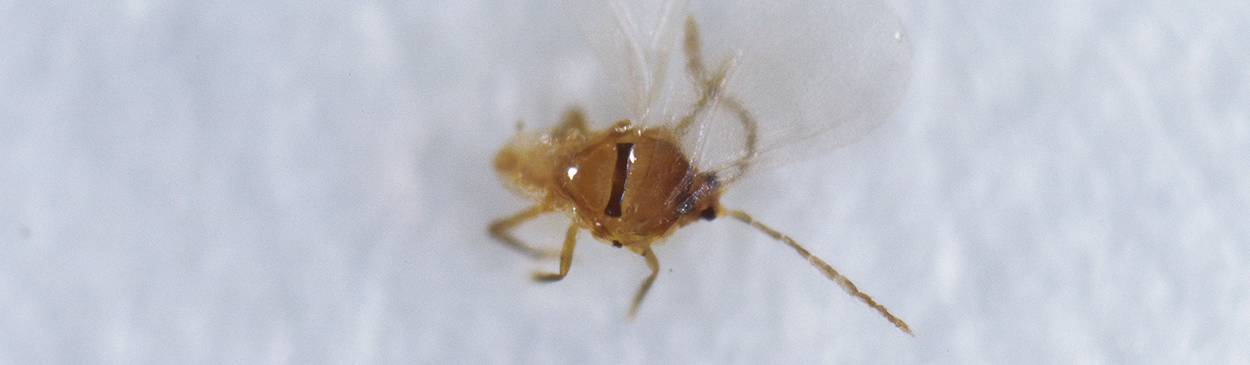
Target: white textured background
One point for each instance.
(308, 182)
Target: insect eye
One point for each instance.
(708, 214)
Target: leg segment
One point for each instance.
(566, 257)
(710, 89)
(502, 230)
(646, 284)
(824, 268)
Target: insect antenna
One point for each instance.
(824, 267)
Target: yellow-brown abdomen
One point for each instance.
(633, 186)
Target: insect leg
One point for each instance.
(694, 65)
(694, 53)
(748, 125)
(824, 268)
(646, 284)
(710, 87)
(502, 230)
(566, 257)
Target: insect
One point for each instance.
(785, 85)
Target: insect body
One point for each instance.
(632, 185)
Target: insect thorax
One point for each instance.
(632, 187)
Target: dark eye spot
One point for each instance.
(708, 214)
(616, 244)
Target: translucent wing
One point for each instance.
(759, 83)
(633, 41)
(809, 75)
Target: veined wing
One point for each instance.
(633, 41)
(810, 75)
(763, 83)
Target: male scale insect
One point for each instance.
(803, 79)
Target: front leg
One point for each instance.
(502, 230)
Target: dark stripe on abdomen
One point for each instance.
(619, 174)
